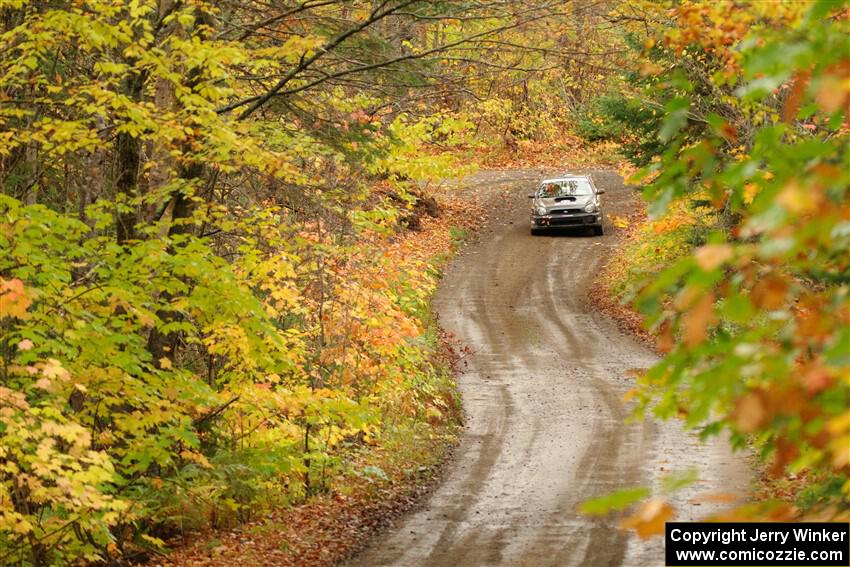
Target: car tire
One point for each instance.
(598, 230)
(536, 231)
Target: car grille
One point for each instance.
(564, 211)
(565, 221)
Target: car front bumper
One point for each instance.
(566, 220)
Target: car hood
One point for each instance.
(551, 202)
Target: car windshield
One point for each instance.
(565, 188)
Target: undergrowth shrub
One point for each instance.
(286, 356)
(655, 245)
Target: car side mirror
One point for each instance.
(531, 196)
(600, 191)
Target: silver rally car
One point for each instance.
(568, 201)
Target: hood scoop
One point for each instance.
(559, 199)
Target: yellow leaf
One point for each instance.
(839, 424)
(797, 199)
(195, 457)
(13, 299)
(840, 448)
(53, 369)
(750, 192)
(712, 256)
(650, 518)
(22, 526)
(620, 222)
(697, 320)
(833, 93)
(649, 68)
(750, 412)
(164, 363)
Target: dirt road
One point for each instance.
(543, 393)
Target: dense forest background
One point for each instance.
(209, 303)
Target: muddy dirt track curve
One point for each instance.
(545, 421)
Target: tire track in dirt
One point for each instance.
(545, 422)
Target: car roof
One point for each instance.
(565, 178)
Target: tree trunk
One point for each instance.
(128, 150)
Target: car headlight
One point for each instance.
(541, 211)
(590, 208)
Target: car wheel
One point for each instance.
(536, 231)
(598, 230)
